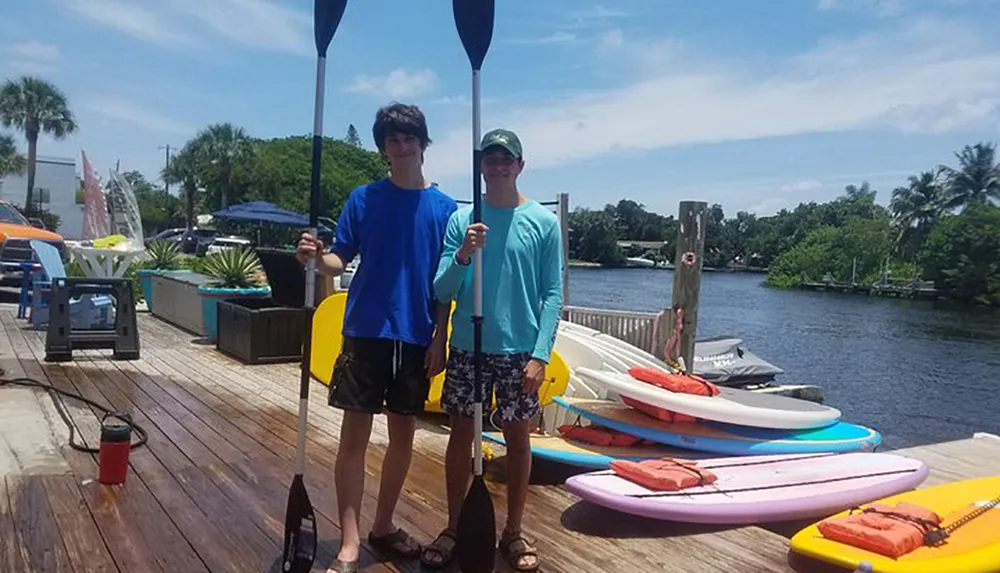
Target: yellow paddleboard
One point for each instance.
(972, 548)
(326, 342)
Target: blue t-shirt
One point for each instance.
(522, 280)
(399, 234)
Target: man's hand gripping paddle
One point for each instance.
(299, 550)
(476, 536)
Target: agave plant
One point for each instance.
(236, 268)
(164, 255)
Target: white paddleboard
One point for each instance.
(732, 406)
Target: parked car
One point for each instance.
(16, 233)
(226, 243)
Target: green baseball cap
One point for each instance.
(504, 138)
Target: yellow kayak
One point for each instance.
(327, 338)
(972, 548)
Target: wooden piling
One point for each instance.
(563, 214)
(692, 219)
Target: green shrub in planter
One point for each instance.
(164, 257)
(238, 274)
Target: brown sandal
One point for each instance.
(438, 547)
(395, 543)
(514, 546)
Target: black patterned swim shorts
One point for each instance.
(502, 372)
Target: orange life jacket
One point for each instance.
(891, 531)
(599, 436)
(667, 474)
(680, 383)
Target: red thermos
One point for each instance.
(116, 441)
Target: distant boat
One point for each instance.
(640, 262)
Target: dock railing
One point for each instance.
(643, 330)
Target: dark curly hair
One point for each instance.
(399, 118)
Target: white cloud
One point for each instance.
(881, 8)
(559, 37)
(33, 57)
(399, 83)
(919, 75)
(138, 22)
(612, 39)
(121, 110)
(263, 24)
(36, 51)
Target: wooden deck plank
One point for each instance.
(37, 533)
(10, 552)
(85, 547)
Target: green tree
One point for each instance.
(962, 255)
(183, 169)
(11, 160)
(282, 171)
(916, 208)
(977, 178)
(225, 154)
(35, 106)
(352, 136)
(593, 237)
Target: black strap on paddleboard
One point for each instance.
(938, 535)
(715, 490)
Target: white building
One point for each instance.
(56, 183)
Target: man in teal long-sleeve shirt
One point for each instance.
(522, 304)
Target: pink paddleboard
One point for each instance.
(761, 489)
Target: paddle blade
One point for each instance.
(474, 20)
(326, 19)
(300, 530)
(476, 534)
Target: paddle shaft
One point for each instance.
(477, 274)
(310, 294)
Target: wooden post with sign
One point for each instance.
(692, 221)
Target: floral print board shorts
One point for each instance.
(503, 373)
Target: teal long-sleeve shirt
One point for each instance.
(522, 280)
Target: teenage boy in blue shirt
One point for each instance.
(522, 303)
(395, 334)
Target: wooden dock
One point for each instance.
(207, 492)
(899, 290)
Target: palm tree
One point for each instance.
(11, 160)
(184, 169)
(35, 106)
(977, 179)
(916, 208)
(224, 149)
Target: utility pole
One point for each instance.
(166, 186)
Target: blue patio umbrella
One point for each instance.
(262, 212)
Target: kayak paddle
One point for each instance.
(476, 535)
(299, 550)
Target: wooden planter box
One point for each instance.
(258, 330)
(178, 301)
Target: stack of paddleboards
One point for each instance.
(770, 457)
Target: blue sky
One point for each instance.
(757, 105)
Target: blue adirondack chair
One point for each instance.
(84, 311)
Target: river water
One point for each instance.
(918, 371)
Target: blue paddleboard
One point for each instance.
(563, 450)
(720, 438)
